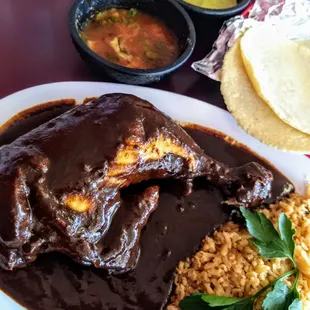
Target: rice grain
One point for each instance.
(229, 265)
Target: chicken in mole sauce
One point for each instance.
(66, 285)
(131, 38)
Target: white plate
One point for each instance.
(295, 167)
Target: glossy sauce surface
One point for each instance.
(173, 232)
(131, 38)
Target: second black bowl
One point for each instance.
(170, 12)
(209, 21)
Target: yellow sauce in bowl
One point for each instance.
(213, 4)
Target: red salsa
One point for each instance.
(131, 39)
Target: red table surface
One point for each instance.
(36, 48)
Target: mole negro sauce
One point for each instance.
(174, 231)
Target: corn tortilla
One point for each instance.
(252, 113)
(305, 43)
(279, 71)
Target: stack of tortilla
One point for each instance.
(266, 86)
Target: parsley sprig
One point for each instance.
(270, 244)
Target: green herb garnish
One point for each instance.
(101, 16)
(271, 244)
(132, 13)
(160, 44)
(112, 19)
(267, 239)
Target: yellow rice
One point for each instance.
(229, 265)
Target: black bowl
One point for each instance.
(209, 21)
(170, 12)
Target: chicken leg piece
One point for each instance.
(60, 183)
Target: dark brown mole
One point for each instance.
(31, 118)
(55, 282)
